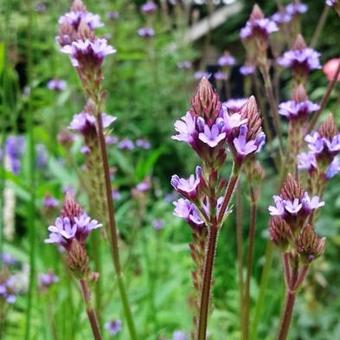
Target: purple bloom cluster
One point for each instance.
(294, 9)
(293, 109)
(7, 290)
(144, 186)
(7, 259)
(47, 279)
(281, 17)
(330, 3)
(247, 70)
(188, 187)
(198, 75)
(50, 202)
(143, 144)
(188, 211)
(113, 327)
(146, 32)
(149, 7)
(126, 144)
(220, 75)
(14, 149)
(85, 52)
(226, 60)
(65, 229)
(74, 18)
(57, 85)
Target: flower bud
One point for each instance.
(291, 189)
(328, 128)
(280, 232)
(250, 112)
(77, 260)
(299, 94)
(299, 43)
(71, 208)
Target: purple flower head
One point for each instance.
(146, 32)
(292, 207)
(331, 3)
(188, 187)
(47, 279)
(143, 144)
(113, 327)
(278, 209)
(158, 224)
(292, 109)
(310, 204)
(116, 195)
(7, 259)
(144, 186)
(7, 289)
(113, 15)
(244, 147)
(74, 18)
(220, 75)
(87, 53)
(57, 85)
(294, 9)
(234, 105)
(85, 122)
(334, 168)
(201, 74)
(66, 229)
(126, 144)
(226, 60)
(50, 202)
(184, 65)
(179, 335)
(14, 149)
(247, 70)
(314, 142)
(281, 17)
(212, 136)
(149, 7)
(186, 128)
(307, 161)
(41, 156)
(188, 211)
(85, 150)
(110, 139)
(231, 119)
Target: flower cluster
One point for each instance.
(47, 279)
(73, 224)
(147, 9)
(113, 327)
(226, 60)
(290, 227)
(300, 59)
(7, 288)
(57, 85)
(14, 149)
(322, 159)
(209, 127)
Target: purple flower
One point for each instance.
(330, 3)
(144, 185)
(310, 204)
(220, 75)
(334, 168)
(115, 195)
(57, 85)
(278, 209)
(184, 65)
(88, 53)
(234, 105)
(244, 147)
(85, 150)
(158, 224)
(7, 259)
(296, 9)
(305, 59)
(47, 279)
(307, 161)
(64, 230)
(113, 15)
(179, 335)
(50, 202)
(109, 139)
(226, 60)
(185, 127)
(333, 143)
(315, 142)
(293, 109)
(85, 122)
(293, 207)
(41, 156)
(113, 327)
(281, 17)
(188, 187)
(74, 18)
(146, 32)
(126, 144)
(233, 120)
(149, 7)
(14, 149)
(262, 27)
(7, 290)
(213, 135)
(247, 70)
(201, 74)
(188, 211)
(143, 144)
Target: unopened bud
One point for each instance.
(328, 128)
(250, 112)
(71, 208)
(77, 260)
(299, 94)
(78, 6)
(299, 43)
(256, 13)
(280, 232)
(291, 189)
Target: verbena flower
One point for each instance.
(113, 15)
(146, 32)
(226, 60)
(74, 18)
(281, 17)
(149, 7)
(14, 149)
(50, 202)
(47, 279)
(126, 144)
(7, 259)
(7, 289)
(188, 211)
(245, 147)
(333, 169)
(144, 186)
(198, 75)
(113, 327)
(86, 53)
(307, 161)
(234, 105)
(293, 109)
(143, 144)
(220, 75)
(57, 85)
(294, 9)
(247, 70)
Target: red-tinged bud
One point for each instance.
(85, 32)
(66, 34)
(328, 128)
(256, 13)
(279, 232)
(250, 112)
(65, 138)
(78, 6)
(308, 245)
(206, 103)
(71, 208)
(77, 260)
(299, 94)
(299, 43)
(291, 189)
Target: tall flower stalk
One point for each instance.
(210, 128)
(87, 53)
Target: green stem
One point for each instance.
(262, 290)
(250, 257)
(89, 309)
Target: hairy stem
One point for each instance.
(206, 284)
(89, 309)
(250, 256)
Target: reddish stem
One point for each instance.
(287, 315)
